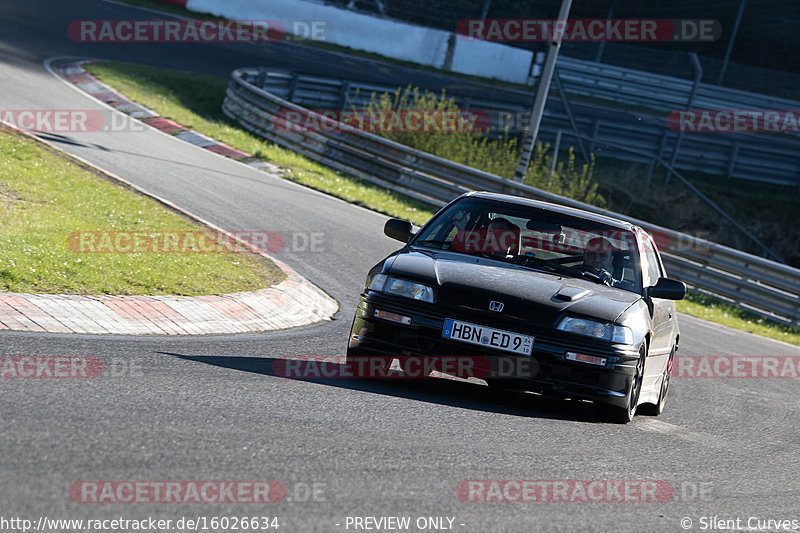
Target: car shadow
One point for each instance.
(473, 394)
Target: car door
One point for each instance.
(661, 313)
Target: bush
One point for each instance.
(498, 156)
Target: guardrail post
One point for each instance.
(663, 144)
(658, 158)
(732, 159)
(343, 94)
(649, 179)
(293, 86)
(595, 133)
(261, 78)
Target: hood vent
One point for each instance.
(569, 293)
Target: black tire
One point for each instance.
(658, 408)
(623, 415)
(360, 366)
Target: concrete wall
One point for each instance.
(389, 38)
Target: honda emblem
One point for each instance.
(495, 306)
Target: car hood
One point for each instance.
(472, 282)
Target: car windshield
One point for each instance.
(538, 239)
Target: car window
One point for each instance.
(510, 232)
(650, 264)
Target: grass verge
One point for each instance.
(194, 101)
(45, 196)
(715, 310)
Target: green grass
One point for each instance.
(715, 310)
(45, 196)
(194, 101)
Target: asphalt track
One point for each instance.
(212, 408)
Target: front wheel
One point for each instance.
(658, 408)
(623, 415)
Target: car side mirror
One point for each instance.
(399, 230)
(667, 289)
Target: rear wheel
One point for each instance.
(623, 415)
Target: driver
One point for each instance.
(598, 259)
(499, 240)
(502, 238)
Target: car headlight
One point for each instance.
(401, 287)
(598, 330)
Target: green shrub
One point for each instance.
(498, 156)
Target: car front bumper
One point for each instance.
(547, 370)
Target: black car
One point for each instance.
(536, 296)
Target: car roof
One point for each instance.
(518, 200)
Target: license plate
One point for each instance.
(498, 339)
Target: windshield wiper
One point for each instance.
(433, 241)
(477, 253)
(569, 271)
(527, 260)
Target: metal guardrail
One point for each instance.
(744, 156)
(656, 91)
(760, 285)
(634, 137)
